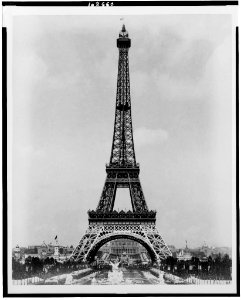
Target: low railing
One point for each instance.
(117, 166)
(173, 279)
(195, 280)
(120, 215)
(57, 279)
(27, 281)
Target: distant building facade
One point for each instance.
(184, 255)
(17, 253)
(43, 251)
(125, 250)
(127, 246)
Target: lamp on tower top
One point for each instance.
(123, 32)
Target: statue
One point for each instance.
(114, 265)
(116, 275)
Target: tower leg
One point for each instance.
(137, 197)
(107, 197)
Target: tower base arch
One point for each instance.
(99, 234)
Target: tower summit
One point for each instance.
(123, 41)
(122, 172)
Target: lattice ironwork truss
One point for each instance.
(129, 178)
(123, 153)
(122, 171)
(98, 234)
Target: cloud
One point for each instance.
(144, 136)
(64, 85)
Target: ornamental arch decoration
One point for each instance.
(114, 236)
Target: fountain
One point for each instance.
(161, 279)
(94, 281)
(116, 275)
(69, 279)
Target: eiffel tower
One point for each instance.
(122, 172)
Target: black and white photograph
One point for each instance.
(121, 149)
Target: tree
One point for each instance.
(226, 267)
(18, 270)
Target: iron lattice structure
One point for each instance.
(122, 172)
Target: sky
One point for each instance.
(64, 86)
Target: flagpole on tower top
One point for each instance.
(122, 19)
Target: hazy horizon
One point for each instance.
(69, 245)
